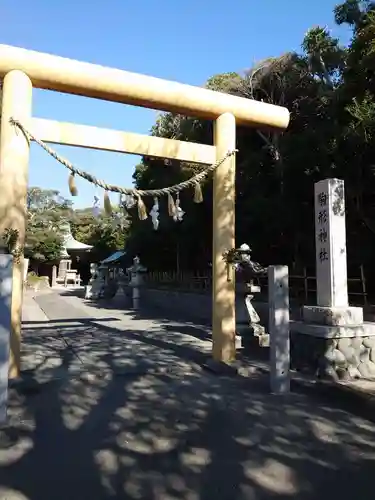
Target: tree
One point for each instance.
(265, 181)
(106, 234)
(45, 210)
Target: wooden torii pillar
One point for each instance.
(21, 70)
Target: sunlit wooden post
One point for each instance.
(223, 239)
(14, 163)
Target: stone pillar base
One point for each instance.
(333, 316)
(344, 352)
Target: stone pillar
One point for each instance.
(330, 244)
(332, 339)
(54, 276)
(278, 302)
(6, 264)
(25, 269)
(331, 266)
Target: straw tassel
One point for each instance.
(72, 185)
(198, 195)
(107, 204)
(142, 212)
(171, 205)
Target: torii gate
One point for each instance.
(21, 70)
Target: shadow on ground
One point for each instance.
(147, 311)
(123, 415)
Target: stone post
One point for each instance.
(25, 269)
(278, 301)
(6, 265)
(54, 276)
(331, 266)
(330, 244)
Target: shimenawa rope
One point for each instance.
(176, 188)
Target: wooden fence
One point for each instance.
(302, 286)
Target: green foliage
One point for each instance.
(102, 232)
(33, 279)
(352, 12)
(224, 82)
(325, 56)
(46, 249)
(11, 240)
(45, 210)
(363, 114)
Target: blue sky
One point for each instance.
(182, 41)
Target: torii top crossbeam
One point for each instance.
(90, 80)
